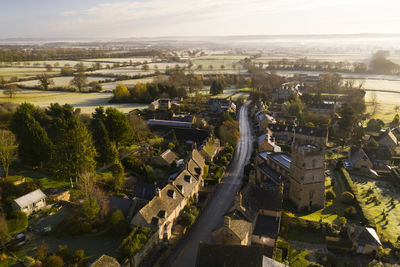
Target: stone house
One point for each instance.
(160, 213)
(105, 261)
(57, 194)
(253, 218)
(267, 143)
(31, 202)
(365, 240)
(304, 134)
(387, 138)
(210, 149)
(165, 159)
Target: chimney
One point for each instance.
(158, 192)
(227, 221)
(238, 201)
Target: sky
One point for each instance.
(96, 19)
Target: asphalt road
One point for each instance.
(185, 254)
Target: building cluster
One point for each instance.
(161, 211)
(373, 161)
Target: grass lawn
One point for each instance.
(387, 101)
(334, 209)
(306, 236)
(45, 180)
(87, 102)
(383, 191)
(298, 258)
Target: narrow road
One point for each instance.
(185, 254)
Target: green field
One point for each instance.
(216, 62)
(59, 81)
(387, 101)
(87, 102)
(24, 72)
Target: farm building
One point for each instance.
(31, 202)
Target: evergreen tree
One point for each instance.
(106, 150)
(34, 144)
(118, 126)
(74, 151)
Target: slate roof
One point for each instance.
(169, 123)
(311, 131)
(387, 134)
(258, 198)
(267, 226)
(144, 191)
(30, 198)
(276, 177)
(210, 255)
(378, 153)
(105, 261)
(363, 235)
(120, 203)
(283, 159)
(356, 154)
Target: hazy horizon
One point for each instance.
(105, 19)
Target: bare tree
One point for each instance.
(45, 81)
(7, 149)
(11, 90)
(375, 105)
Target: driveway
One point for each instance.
(185, 254)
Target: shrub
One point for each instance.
(78, 256)
(116, 217)
(350, 212)
(54, 261)
(63, 251)
(343, 221)
(330, 194)
(41, 252)
(17, 223)
(187, 219)
(278, 255)
(135, 241)
(347, 197)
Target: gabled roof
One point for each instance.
(378, 153)
(169, 156)
(357, 154)
(105, 261)
(198, 158)
(185, 182)
(30, 198)
(211, 146)
(363, 235)
(388, 134)
(257, 198)
(144, 191)
(168, 200)
(267, 226)
(231, 255)
(305, 130)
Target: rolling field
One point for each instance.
(120, 60)
(87, 102)
(216, 62)
(58, 81)
(24, 72)
(130, 71)
(387, 101)
(128, 83)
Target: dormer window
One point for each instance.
(171, 193)
(188, 178)
(162, 214)
(197, 170)
(181, 188)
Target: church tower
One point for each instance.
(307, 176)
